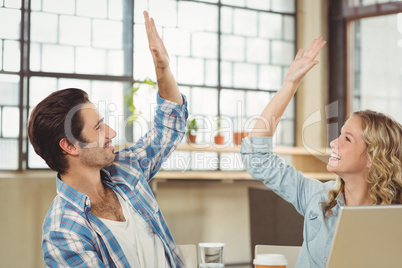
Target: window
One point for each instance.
(378, 64)
(228, 63)
(365, 59)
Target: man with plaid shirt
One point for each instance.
(105, 214)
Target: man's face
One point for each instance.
(97, 151)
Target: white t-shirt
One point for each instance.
(141, 246)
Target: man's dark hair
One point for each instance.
(46, 126)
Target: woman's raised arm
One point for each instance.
(303, 62)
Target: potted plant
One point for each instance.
(129, 98)
(219, 138)
(238, 137)
(192, 129)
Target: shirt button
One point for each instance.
(87, 202)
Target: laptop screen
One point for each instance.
(367, 236)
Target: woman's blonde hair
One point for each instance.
(383, 138)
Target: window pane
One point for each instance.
(10, 122)
(11, 56)
(143, 62)
(116, 9)
(40, 88)
(56, 58)
(9, 85)
(107, 34)
(283, 53)
(233, 106)
(378, 75)
(226, 20)
(192, 16)
(81, 44)
(211, 72)
(12, 3)
(90, 60)
(193, 75)
(234, 2)
(44, 27)
(205, 45)
(283, 5)
(259, 4)
(245, 22)
(245, 75)
(257, 50)
(86, 8)
(270, 25)
(9, 160)
(10, 20)
(182, 48)
(289, 28)
(256, 102)
(59, 6)
(203, 96)
(75, 31)
(233, 47)
(34, 160)
(165, 12)
(270, 77)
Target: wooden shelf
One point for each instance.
(236, 149)
(227, 175)
(312, 163)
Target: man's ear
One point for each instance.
(68, 147)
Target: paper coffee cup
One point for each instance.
(270, 261)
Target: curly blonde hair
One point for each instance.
(383, 138)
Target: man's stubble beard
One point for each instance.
(97, 157)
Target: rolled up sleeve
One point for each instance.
(282, 178)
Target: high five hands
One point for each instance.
(304, 62)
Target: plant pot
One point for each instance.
(191, 138)
(238, 137)
(219, 139)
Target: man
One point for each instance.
(104, 214)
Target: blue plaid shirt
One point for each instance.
(74, 237)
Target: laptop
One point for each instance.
(367, 236)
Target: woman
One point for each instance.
(367, 157)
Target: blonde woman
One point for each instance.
(367, 157)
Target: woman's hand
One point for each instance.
(304, 62)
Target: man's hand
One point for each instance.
(155, 43)
(167, 85)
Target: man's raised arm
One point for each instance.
(167, 84)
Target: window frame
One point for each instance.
(25, 74)
(341, 15)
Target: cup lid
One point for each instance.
(270, 259)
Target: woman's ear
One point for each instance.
(368, 165)
(68, 147)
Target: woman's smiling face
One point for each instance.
(348, 157)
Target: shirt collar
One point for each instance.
(76, 198)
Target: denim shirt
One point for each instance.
(305, 194)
